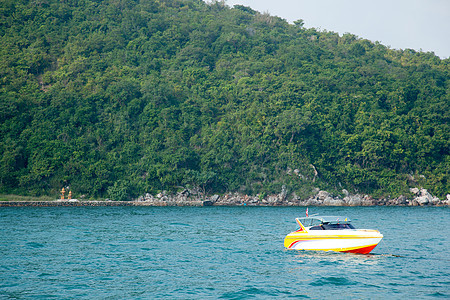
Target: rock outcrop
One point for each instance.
(420, 197)
(322, 198)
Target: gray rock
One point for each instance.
(368, 201)
(322, 195)
(283, 193)
(354, 200)
(272, 199)
(185, 192)
(447, 201)
(435, 201)
(313, 202)
(425, 198)
(181, 198)
(415, 191)
(333, 202)
(424, 192)
(402, 200)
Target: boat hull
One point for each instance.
(351, 241)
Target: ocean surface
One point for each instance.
(216, 253)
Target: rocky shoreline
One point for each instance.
(421, 197)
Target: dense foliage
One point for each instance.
(123, 97)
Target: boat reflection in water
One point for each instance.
(332, 233)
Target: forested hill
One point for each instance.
(120, 97)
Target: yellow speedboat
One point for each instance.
(332, 233)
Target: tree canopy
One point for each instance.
(124, 97)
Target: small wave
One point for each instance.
(180, 224)
(34, 245)
(339, 281)
(439, 295)
(246, 293)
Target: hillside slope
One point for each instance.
(124, 97)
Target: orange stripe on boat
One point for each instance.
(295, 242)
(363, 250)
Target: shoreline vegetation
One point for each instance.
(420, 197)
(116, 99)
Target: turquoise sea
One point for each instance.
(216, 253)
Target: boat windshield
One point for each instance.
(327, 222)
(337, 226)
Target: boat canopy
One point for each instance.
(318, 220)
